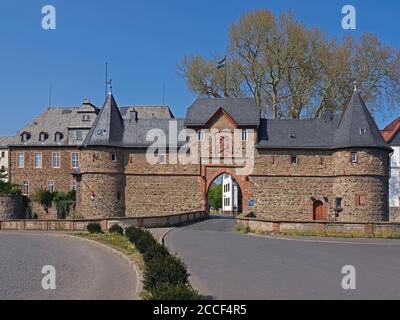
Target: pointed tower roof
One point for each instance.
(109, 126)
(357, 127)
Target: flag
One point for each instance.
(222, 63)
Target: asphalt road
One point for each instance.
(83, 270)
(225, 264)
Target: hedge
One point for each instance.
(165, 276)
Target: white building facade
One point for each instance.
(4, 154)
(230, 195)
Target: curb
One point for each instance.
(162, 238)
(139, 275)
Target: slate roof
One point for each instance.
(108, 127)
(122, 131)
(54, 119)
(357, 117)
(6, 141)
(243, 111)
(148, 112)
(356, 128)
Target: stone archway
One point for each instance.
(210, 173)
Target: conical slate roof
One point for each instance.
(357, 127)
(109, 126)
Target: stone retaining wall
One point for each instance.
(12, 207)
(80, 225)
(342, 229)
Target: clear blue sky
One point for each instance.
(143, 40)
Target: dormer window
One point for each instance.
(43, 136)
(86, 117)
(25, 136)
(363, 131)
(101, 132)
(292, 135)
(58, 136)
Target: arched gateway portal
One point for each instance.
(232, 190)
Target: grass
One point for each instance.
(117, 242)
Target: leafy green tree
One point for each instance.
(215, 196)
(8, 187)
(295, 71)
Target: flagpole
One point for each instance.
(226, 89)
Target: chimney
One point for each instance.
(133, 117)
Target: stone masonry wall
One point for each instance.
(12, 207)
(39, 177)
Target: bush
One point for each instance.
(154, 252)
(166, 270)
(44, 198)
(116, 229)
(64, 208)
(172, 292)
(94, 227)
(133, 233)
(145, 242)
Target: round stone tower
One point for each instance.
(361, 165)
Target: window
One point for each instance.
(56, 160)
(360, 200)
(363, 131)
(58, 136)
(21, 160)
(3, 154)
(3, 169)
(244, 135)
(85, 117)
(50, 186)
(43, 136)
(25, 136)
(38, 160)
(292, 135)
(73, 186)
(293, 160)
(25, 188)
(338, 202)
(79, 135)
(321, 161)
(354, 157)
(201, 135)
(75, 160)
(113, 156)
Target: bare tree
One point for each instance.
(294, 71)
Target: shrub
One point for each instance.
(44, 198)
(64, 208)
(172, 292)
(166, 270)
(133, 233)
(154, 252)
(94, 227)
(116, 229)
(145, 242)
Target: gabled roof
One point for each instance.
(108, 127)
(391, 130)
(357, 127)
(243, 111)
